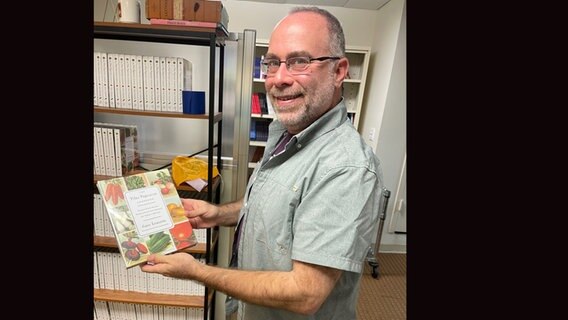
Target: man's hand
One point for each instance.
(177, 265)
(200, 213)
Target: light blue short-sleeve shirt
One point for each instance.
(316, 202)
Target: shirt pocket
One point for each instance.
(272, 222)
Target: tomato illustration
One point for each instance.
(181, 232)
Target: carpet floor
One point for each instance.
(384, 298)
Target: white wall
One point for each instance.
(385, 105)
(383, 48)
(263, 17)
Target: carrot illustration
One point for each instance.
(119, 192)
(115, 193)
(108, 191)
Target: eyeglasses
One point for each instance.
(293, 65)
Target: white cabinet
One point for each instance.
(354, 86)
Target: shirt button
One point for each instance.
(299, 145)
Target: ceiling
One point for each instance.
(353, 4)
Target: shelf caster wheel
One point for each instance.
(375, 272)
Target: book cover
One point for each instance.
(255, 108)
(157, 84)
(256, 69)
(262, 101)
(184, 80)
(147, 215)
(108, 151)
(97, 78)
(148, 75)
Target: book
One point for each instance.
(146, 215)
(185, 23)
(184, 80)
(252, 131)
(262, 102)
(256, 69)
(255, 107)
(127, 156)
(148, 76)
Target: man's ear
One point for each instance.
(341, 71)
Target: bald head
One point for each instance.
(297, 30)
(334, 35)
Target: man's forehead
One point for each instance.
(299, 33)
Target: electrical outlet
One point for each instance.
(371, 136)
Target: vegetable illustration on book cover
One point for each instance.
(147, 215)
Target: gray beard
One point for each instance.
(315, 107)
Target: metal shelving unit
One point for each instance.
(214, 38)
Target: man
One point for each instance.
(307, 219)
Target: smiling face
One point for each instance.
(300, 99)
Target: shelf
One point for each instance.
(160, 33)
(254, 143)
(218, 115)
(149, 298)
(110, 242)
(262, 116)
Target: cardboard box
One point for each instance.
(167, 9)
(178, 9)
(153, 9)
(191, 10)
(205, 10)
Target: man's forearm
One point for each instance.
(229, 213)
(298, 291)
(268, 288)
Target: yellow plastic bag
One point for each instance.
(184, 169)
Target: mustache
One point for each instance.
(275, 93)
